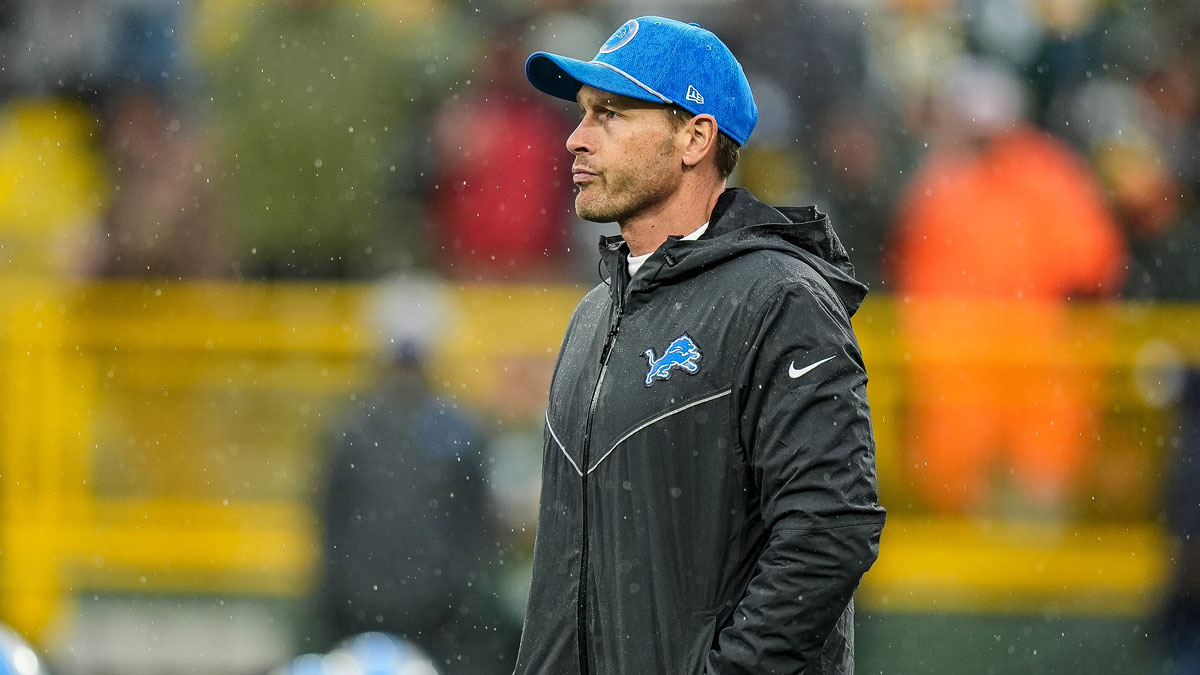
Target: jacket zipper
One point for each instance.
(581, 609)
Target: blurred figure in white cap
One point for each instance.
(409, 537)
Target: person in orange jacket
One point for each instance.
(1000, 227)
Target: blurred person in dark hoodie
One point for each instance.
(409, 538)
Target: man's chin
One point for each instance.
(595, 213)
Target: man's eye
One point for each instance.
(608, 115)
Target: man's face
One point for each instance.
(626, 158)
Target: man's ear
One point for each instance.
(701, 139)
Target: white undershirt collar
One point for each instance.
(634, 262)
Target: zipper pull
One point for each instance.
(614, 325)
(610, 340)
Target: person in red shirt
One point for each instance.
(501, 205)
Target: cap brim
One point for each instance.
(562, 77)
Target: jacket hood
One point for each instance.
(742, 224)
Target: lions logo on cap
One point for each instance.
(620, 38)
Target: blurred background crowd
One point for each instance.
(1017, 180)
(332, 139)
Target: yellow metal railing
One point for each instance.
(166, 437)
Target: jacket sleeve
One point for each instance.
(805, 425)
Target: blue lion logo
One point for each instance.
(620, 38)
(682, 354)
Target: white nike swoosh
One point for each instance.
(794, 373)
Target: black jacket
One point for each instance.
(708, 500)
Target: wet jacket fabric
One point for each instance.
(709, 497)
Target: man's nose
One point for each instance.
(578, 142)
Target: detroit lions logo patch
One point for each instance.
(682, 354)
(620, 38)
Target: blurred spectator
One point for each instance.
(147, 48)
(1148, 149)
(910, 46)
(1146, 144)
(409, 527)
(161, 220)
(1066, 55)
(80, 47)
(999, 227)
(10, 38)
(62, 52)
(821, 137)
(855, 188)
(1181, 607)
(53, 187)
(65, 47)
(501, 201)
(519, 407)
(317, 111)
(822, 42)
(574, 28)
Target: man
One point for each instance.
(708, 500)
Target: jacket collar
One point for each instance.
(740, 224)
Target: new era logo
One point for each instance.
(693, 95)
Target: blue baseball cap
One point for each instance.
(662, 60)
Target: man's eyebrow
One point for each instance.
(584, 111)
(608, 102)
